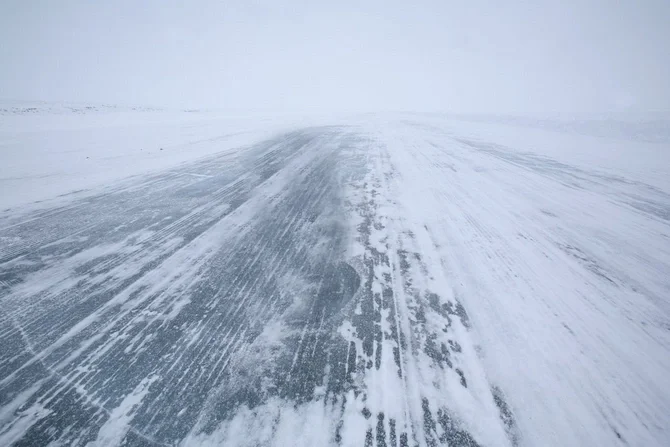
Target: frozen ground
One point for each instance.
(393, 280)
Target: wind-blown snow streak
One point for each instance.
(387, 285)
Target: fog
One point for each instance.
(297, 56)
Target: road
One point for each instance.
(342, 285)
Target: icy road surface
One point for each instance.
(365, 285)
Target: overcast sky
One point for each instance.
(459, 56)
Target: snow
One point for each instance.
(389, 279)
(118, 424)
(53, 149)
(565, 280)
(634, 149)
(276, 423)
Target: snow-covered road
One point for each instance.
(384, 283)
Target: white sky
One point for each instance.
(459, 56)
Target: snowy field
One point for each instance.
(186, 278)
